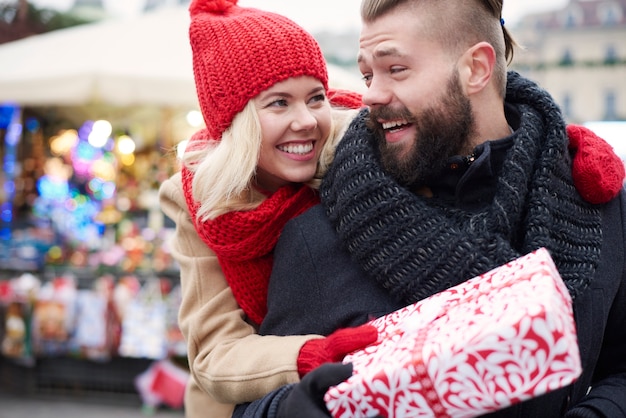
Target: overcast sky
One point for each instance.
(341, 13)
(318, 15)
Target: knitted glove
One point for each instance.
(597, 172)
(345, 98)
(306, 399)
(334, 347)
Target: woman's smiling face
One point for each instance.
(295, 123)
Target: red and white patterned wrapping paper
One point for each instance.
(495, 340)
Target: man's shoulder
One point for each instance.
(311, 230)
(615, 209)
(314, 219)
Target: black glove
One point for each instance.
(306, 399)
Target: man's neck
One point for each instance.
(490, 121)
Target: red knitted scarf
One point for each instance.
(244, 241)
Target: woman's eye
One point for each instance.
(278, 103)
(318, 98)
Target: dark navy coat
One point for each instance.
(309, 296)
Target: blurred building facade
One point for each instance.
(578, 53)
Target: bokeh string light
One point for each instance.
(11, 121)
(80, 181)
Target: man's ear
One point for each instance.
(476, 67)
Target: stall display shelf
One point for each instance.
(112, 378)
(69, 377)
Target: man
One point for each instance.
(456, 169)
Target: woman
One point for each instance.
(262, 88)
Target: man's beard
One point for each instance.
(442, 131)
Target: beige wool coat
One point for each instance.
(228, 361)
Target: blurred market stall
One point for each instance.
(140, 61)
(90, 121)
(96, 113)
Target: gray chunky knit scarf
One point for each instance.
(416, 247)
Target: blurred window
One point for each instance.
(573, 17)
(610, 110)
(566, 59)
(609, 13)
(611, 57)
(567, 106)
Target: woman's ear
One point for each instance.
(477, 65)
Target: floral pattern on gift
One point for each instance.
(493, 341)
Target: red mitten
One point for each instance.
(597, 171)
(334, 348)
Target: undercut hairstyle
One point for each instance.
(457, 25)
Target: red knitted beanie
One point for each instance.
(239, 52)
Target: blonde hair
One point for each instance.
(340, 120)
(224, 170)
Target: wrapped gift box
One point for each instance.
(495, 340)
